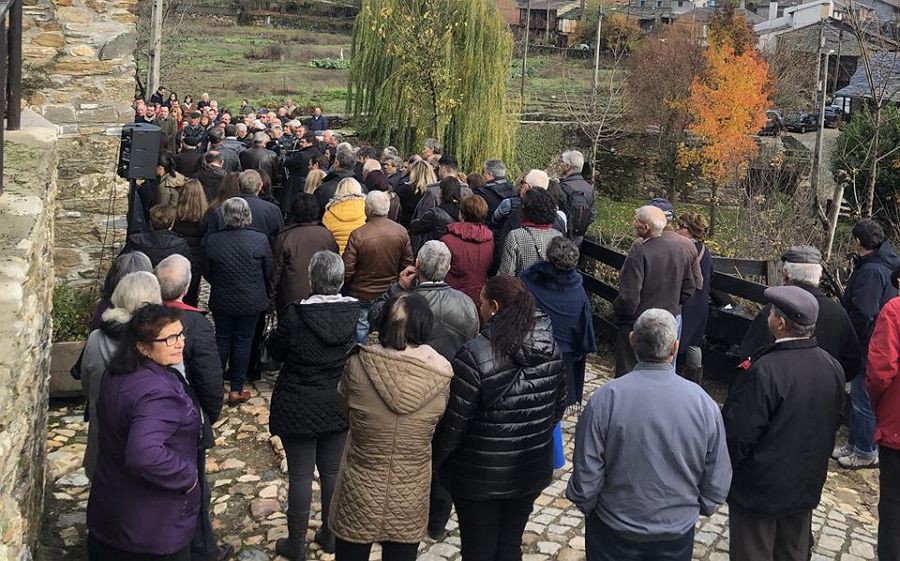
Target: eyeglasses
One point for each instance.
(171, 340)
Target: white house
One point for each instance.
(792, 19)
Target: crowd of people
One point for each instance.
(431, 329)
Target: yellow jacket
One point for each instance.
(344, 217)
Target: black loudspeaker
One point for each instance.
(139, 151)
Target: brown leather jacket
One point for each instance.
(294, 247)
(375, 254)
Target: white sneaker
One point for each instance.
(842, 452)
(855, 461)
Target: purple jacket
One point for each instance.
(149, 433)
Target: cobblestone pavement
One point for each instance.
(247, 472)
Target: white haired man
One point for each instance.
(580, 211)
(624, 448)
(656, 274)
(834, 331)
(375, 254)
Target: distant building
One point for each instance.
(885, 75)
(790, 19)
(509, 9)
(542, 10)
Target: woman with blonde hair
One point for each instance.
(345, 212)
(313, 180)
(695, 312)
(190, 223)
(421, 175)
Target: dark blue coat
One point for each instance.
(868, 289)
(239, 263)
(266, 217)
(695, 311)
(561, 295)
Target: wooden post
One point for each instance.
(155, 46)
(14, 78)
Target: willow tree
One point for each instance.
(433, 68)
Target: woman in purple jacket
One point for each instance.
(145, 496)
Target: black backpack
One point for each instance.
(579, 216)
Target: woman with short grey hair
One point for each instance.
(124, 264)
(239, 263)
(312, 340)
(133, 292)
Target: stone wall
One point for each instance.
(26, 288)
(79, 75)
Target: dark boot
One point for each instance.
(325, 539)
(289, 549)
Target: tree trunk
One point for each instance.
(873, 170)
(833, 215)
(713, 210)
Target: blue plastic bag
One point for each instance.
(559, 455)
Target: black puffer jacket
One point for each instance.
(157, 245)
(312, 339)
(496, 438)
(238, 266)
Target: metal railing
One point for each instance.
(10, 69)
(732, 278)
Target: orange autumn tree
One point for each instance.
(727, 105)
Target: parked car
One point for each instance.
(801, 122)
(774, 124)
(834, 116)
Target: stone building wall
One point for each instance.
(79, 70)
(26, 288)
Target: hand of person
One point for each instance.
(407, 276)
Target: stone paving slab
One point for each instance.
(247, 473)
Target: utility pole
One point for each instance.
(837, 64)
(815, 176)
(155, 46)
(819, 52)
(547, 33)
(596, 77)
(525, 53)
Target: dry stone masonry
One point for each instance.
(79, 75)
(26, 287)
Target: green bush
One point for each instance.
(330, 63)
(72, 311)
(536, 147)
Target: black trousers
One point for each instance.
(769, 538)
(492, 530)
(575, 365)
(203, 546)
(889, 505)
(439, 506)
(625, 359)
(390, 551)
(605, 544)
(253, 369)
(303, 455)
(100, 551)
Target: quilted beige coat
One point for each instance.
(393, 400)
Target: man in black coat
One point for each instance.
(211, 174)
(496, 187)
(297, 165)
(344, 162)
(202, 369)
(230, 159)
(834, 332)
(258, 157)
(194, 131)
(266, 216)
(160, 242)
(580, 211)
(780, 421)
(189, 159)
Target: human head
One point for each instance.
(537, 179)
(473, 209)
(163, 112)
(391, 163)
(347, 188)
(141, 109)
(174, 275)
(421, 175)
(204, 97)
(693, 225)
(195, 118)
(665, 206)
(250, 182)
(376, 180)
(231, 130)
(133, 291)
(213, 158)
(433, 261)
(432, 147)
(345, 158)
(216, 136)
(165, 165)
(326, 273)
(475, 180)
(539, 207)
(867, 236)
(802, 266)
(562, 254)
(154, 333)
(162, 217)
(124, 264)
(378, 203)
(571, 161)
(406, 321)
(494, 169)
(236, 213)
(654, 336)
(507, 304)
(313, 179)
(317, 111)
(151, 110)
(450, 190)
(260, 139)
(308, 139)
(304, 208)
(649, 222)
(447, 166)
(366, 153)
(240, 130)
(794, 312)
(371, 164)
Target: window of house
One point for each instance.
(681, 3)
(659, 3)
(643, 2)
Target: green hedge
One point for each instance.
(536, 147)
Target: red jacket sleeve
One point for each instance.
(884, 351)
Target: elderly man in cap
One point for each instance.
(834, 331)
(781, 416)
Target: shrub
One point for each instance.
(269, 52)
(72, 311)
(330, 63)
(537, 147)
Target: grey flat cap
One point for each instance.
(795, 303)
(802, 254)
